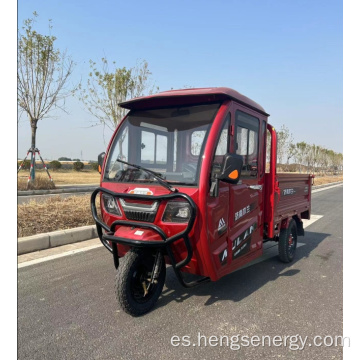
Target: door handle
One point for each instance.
(255, 187)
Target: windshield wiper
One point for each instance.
(156, 176)
(182, 183)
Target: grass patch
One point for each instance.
(66, 177)
(327, 179)
(40, 183)
(60, 177)
(55, 213)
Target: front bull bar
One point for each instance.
(158, 244)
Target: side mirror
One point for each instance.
(231, 168)
(100, 161)
(230, 172)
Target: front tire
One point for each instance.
(132, 279)
(288, 242)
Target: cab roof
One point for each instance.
(190, 96)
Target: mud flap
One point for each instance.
(300, 228)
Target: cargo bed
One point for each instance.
(286, 196)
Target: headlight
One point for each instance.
(177, 211)
(110, 205)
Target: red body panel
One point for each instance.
(188, 96)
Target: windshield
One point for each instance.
(167, 141)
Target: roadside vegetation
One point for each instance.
(60, 177)
(55, 213)
(40, 182)
(327, 179)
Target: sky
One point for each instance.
(285, 55)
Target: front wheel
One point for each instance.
(288, 242)
(139, 281)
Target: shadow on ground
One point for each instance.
(243, 282)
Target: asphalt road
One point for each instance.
(67, 307)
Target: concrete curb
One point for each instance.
(63, 237)
(56, 238)
(58, 191)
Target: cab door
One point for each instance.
(218, 205)
(245, 197)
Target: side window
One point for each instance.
(147, 147)
(222, 147)
(124, 145)
(121, 152)
(247, 132)
(197, 138)
(264, 134)
(161, 149)
(153, 148)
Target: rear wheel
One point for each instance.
(136, 290)
(288, 242)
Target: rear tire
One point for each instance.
(134, 270)
(288, 242)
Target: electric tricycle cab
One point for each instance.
(184, 183)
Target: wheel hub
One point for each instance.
(291, 240)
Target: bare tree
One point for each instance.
(300, 153)
(106, 88)
(43, 72)
(291, 153)
(285, 146)
(282, 136)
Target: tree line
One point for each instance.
(304, 157)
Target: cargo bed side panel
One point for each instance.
(295, 196)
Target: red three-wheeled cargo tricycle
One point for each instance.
(184, 182)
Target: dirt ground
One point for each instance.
(58, 213)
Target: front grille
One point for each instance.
(140, 211)
(140, 216)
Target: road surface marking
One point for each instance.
(313, 218)
(57, 256)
